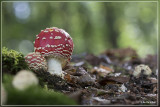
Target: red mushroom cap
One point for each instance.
(36, 61)
(54, 42)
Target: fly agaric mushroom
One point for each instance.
(56, 46)
(24, 79)
(36, 61)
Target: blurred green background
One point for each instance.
(94, 26)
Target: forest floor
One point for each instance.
(107, 79)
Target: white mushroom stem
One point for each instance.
(54, 67)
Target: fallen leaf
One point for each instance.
(114, 79)
(106, 68)
(102, 71)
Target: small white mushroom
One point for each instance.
(138, 70)
(24, 79)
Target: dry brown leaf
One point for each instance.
(106, 68)
(112, 79)
(102, 71)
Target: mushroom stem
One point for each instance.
(54, 67)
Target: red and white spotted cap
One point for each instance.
(54, 42)
(36, 61)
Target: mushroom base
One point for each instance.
(55, 67)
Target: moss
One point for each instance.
(34, 95)
(12, 61)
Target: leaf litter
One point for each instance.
(107, 79)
